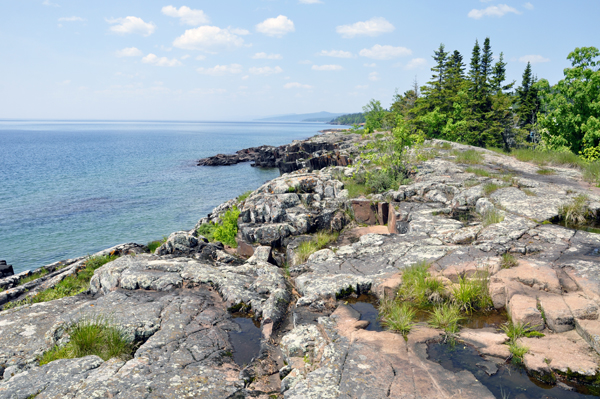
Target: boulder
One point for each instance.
(523, 310)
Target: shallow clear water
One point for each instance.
(246, 343)
(72, 188)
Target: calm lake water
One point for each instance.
(68, 189)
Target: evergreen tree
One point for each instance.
(528, 101)
(499, 76)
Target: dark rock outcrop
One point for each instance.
(5, 270)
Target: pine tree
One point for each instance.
(528, 101)
(499, 76)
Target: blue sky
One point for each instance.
(239, 59)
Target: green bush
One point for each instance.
(207, 230)
(92, 336)
(227, 230)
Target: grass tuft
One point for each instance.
(397, 316)
(508, 261)
(470, 157)
(446, 317)
(529, 192)
(489, 188)
(443, 146)
(492, 216)
(575, 212)
(243, 197)
(545, 171)
(153, 245)
(355, 189)
(34, 276)
(472, 294)
(92, 336)
(419, 287)
(478, 171)
(318, 242)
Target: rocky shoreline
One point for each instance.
(182, 303)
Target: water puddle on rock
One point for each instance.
(593, 227)
(491, 318)
(367, 306)
(509, 381)
(246, 343)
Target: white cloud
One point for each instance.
(186, 15)
(265, 70)
(379, 52)
(416, 63)
(221, 69)
(492, 11)
(245, 77)
(373, 65)
(327, 67)
(336, 53)
(310, 1)
(129, 52)
(374, 76)
(238, 31)
(207, 37)
(200, 57)
(361, 87)
(296, 85)
(372, 27)
(185, 57)
(65, 82)
(533, 58)
(243, 87)
(160, 61)
(49, 4)
(72, 19)
(131, 25)
(265, 56)
(528, 6)
(276, 26)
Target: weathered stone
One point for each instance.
(581, 307)
(557, 314)
(523, 309)
(364, 211)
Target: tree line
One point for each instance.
(476, 105)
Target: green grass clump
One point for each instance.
(471, 183)
(33, 276)
(153, 245)
(227, 230)
(318, 242)
(548, 157)
(518, 351)
(478, 171)
(472, 293)
(529, 192)
(516, 331)
(489, 188)
(243, 197)
(470, 157)
(446, 317)
(492, 217)
(591, 172)
(207, 230)
(92, 336)
(419, 287)
(443, 146)
(397, 316)
(508, 261)
(355, 189)
(69, 286)
(546, 171)
(575, 212)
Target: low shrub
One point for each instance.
(227, 230)
(207, 230)
(153, 245)
(576, 211)
(92, 336)
(382, 180)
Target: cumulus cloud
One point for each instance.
(379, 52)
(276, 27)
(374, 76)
(327, 67)
(160, 61)
(310, 1)
(265, 70)
(492, 11)
(528, 6)
(238, 31)
(208, 37)
(416, 63)
(335, 53)
(265, 56)
(200, 57)
(71, 19)
(130, 24)
(129, 52)
(186, 15)
(296, 85)
(372, 27)
(49, 4)
(533, 58)
(221, 69)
